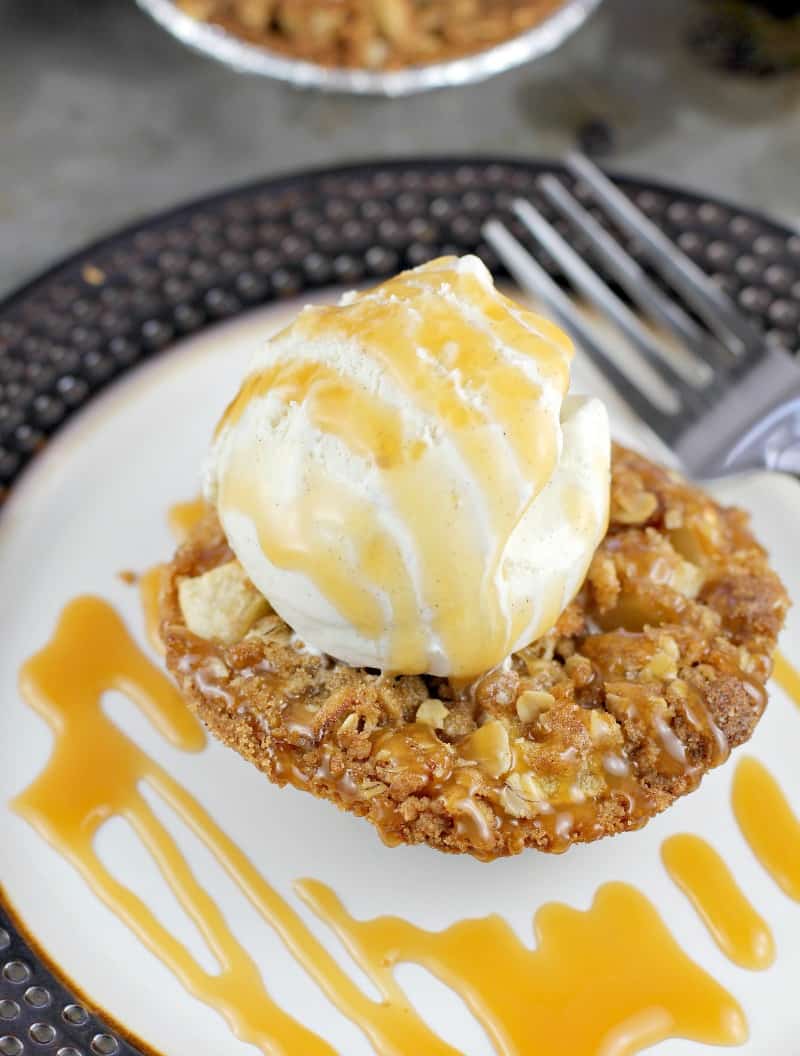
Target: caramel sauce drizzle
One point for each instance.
(634, 984)
(308, 540)
(149, 591)
(94, 774)
(183, 516)
(609, 980)
(447, 772)
(787, 677)
(768, 823)
(458, 580)
(738, 929)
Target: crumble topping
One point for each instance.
(649, 678)
(374, 34)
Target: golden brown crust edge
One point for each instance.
(651, 675)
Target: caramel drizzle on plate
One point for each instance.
(609, 980)
(787, 677)
(94, 774)
(737, 928)
(768, 823)
(634, 984)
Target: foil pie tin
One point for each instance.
(250, 58)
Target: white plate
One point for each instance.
(94, 503)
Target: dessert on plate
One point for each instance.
(430, 589)
(373, 34)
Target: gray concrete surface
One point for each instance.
(104, 118)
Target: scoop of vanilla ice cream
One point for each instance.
(403, 479)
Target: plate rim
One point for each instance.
(307, 174)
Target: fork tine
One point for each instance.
(533, 278)
(707, 299)
(593, 287)
(707, 352)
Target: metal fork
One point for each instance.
(740, 409)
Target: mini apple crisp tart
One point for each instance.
(650, 676)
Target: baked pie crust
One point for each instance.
(651, 675)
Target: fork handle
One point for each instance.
(756, 426)
(772, 443)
